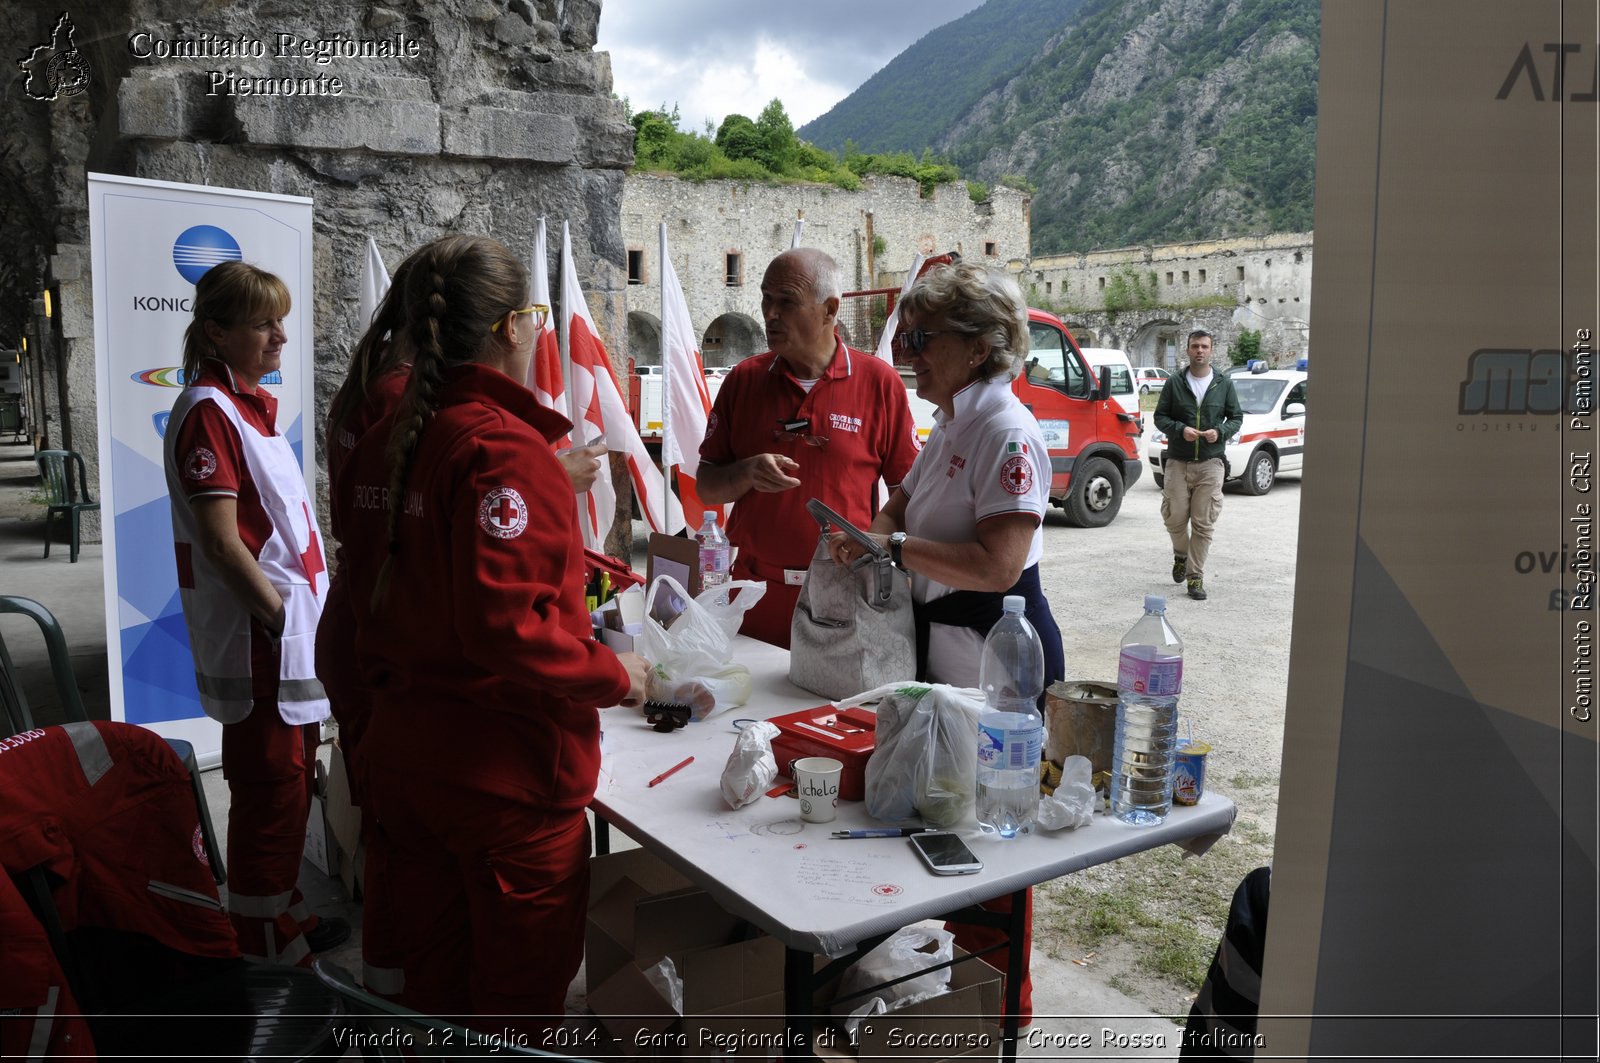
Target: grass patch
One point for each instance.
(1181, 956)
(1253, 781)
(1166, 908)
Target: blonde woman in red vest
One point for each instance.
(252, 581)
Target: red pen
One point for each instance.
(675, 768)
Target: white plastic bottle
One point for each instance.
(1010, 731)
(714, 553)
(1149, 680)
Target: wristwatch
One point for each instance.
(896, 541)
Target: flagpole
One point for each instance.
(564, 329)
(666, 366)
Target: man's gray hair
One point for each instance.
(821, 268)
(976, 301)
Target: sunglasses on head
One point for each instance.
(915, 340)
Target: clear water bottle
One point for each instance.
(714, 553)
(1010, 731)
(1149, 680)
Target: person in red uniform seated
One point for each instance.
(252, 580)
(372, 387)
(466, 570)
(810, 419)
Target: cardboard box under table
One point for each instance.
(642, 912)
(816, 895)
(959, 1024)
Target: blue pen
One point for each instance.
(882, 832)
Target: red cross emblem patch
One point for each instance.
(1016, 475)
(502, 513)
(200, 464)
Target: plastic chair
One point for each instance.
(143, 999)
(55, 468)
(389, 1031)
(19, 718)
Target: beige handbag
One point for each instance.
(852, 628)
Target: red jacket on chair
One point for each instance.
(107, 810)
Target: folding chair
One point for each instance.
(389, 1031)
(55, 468)
(151, 981)
(18, 718)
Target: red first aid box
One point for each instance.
(846, 735)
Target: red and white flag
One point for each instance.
(886, 341)
(601, 416)
(544, 372)
(686, 403)
(374, 284)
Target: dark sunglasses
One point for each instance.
(915, 340)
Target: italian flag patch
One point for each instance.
(1016, 448)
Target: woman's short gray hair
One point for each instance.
(979, 302)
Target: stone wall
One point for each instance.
(1224, 286)
(496, 112)
(871, 233)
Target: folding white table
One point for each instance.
(816, 894)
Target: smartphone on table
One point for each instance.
(945, 853)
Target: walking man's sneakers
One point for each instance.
(1180, 566)
(1197, 589)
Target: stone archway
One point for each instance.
(1158, 342)
(731, 339)
(644, 338)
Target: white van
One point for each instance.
(1124, 389)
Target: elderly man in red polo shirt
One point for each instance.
(811, 418)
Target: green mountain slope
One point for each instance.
(1139, 121)
(912, 102)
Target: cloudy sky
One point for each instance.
(719, 57)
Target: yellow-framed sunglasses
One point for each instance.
(537, 308)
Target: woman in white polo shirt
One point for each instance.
(967, 521)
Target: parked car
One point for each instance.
(1109, 359)
(1272, 439)
(1150, 378)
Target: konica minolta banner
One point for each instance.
(150, 242)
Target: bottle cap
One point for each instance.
(1014, 603)
(709, 514)
(1155, 603)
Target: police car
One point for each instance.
(1272, 439)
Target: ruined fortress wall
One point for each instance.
(871, 233)
(486, 115)
(1225, 286)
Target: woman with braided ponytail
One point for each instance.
(466, 570)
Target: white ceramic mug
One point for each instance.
(816, 783)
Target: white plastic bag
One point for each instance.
(751, 766)
(691, 658)
(907, 951)
(925, 761)
(1072, 805)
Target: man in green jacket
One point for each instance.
(1198, 412)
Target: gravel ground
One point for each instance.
(1148, 925)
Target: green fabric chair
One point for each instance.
(55, 468)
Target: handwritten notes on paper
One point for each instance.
(861, 876)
